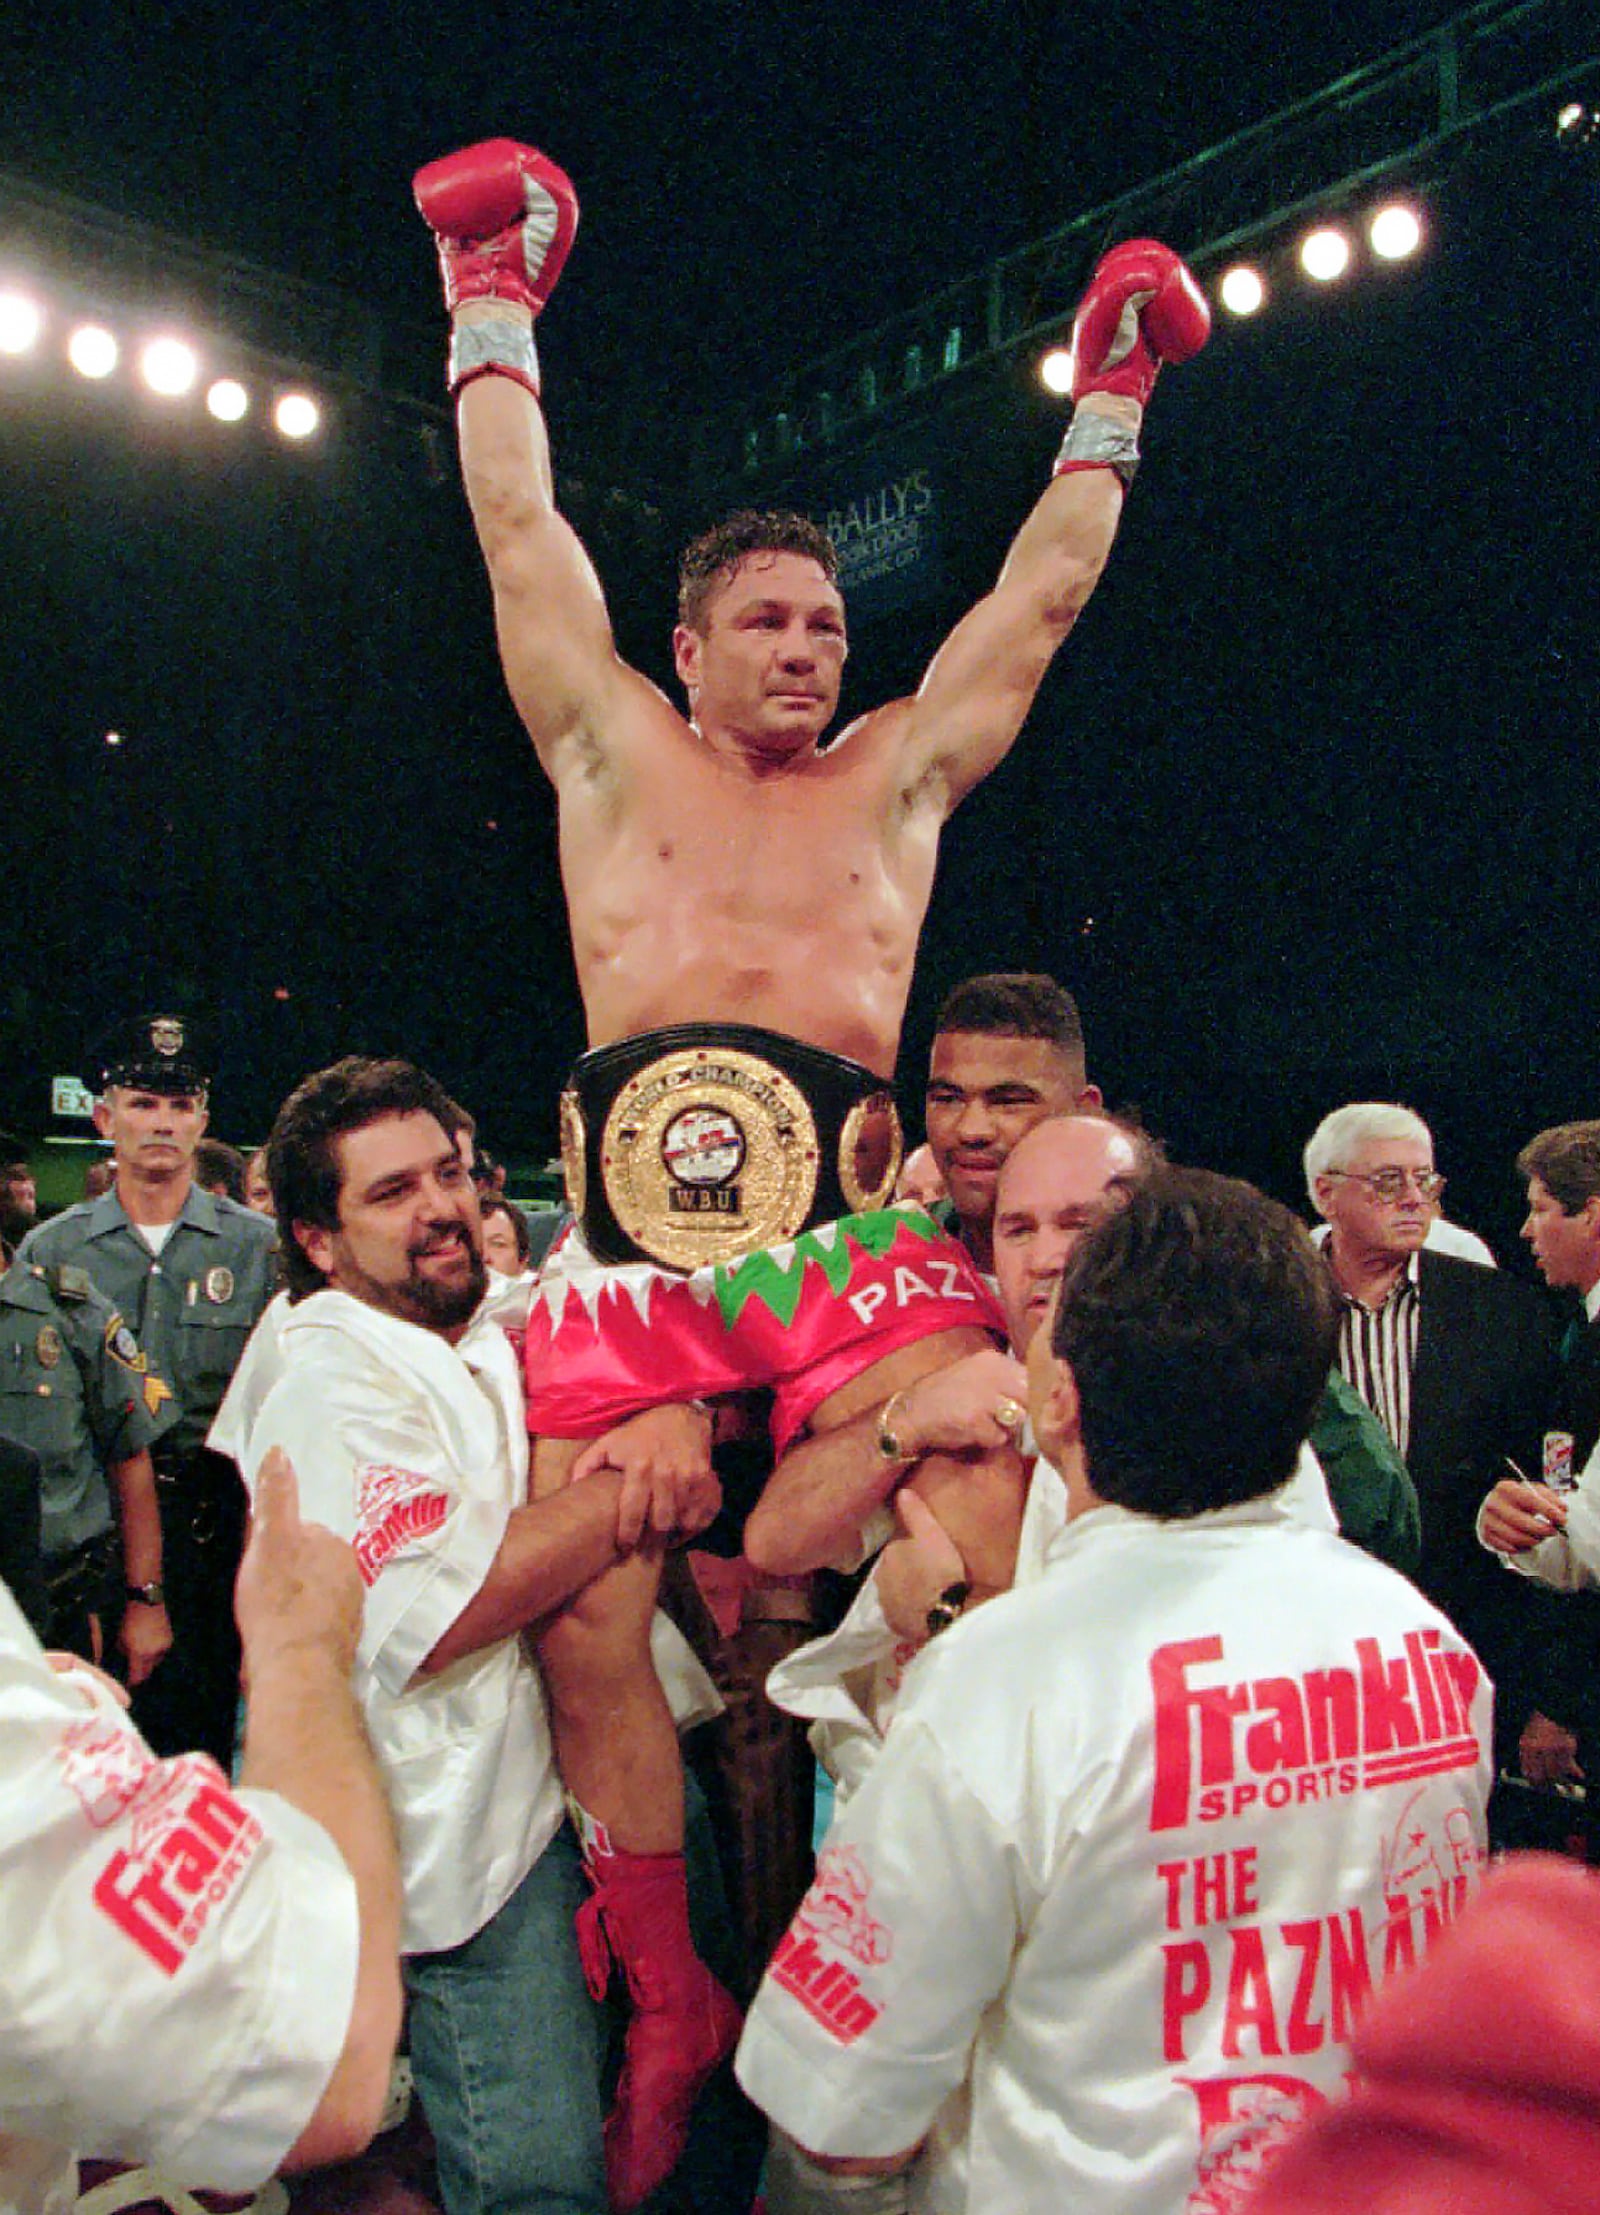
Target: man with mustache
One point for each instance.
(400, 1404)
(190, 1275)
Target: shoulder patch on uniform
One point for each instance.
(68, 1282)
(123, 1347)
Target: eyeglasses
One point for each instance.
(1389, 1185)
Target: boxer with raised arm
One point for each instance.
(745, 908)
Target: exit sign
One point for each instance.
(70, 1096)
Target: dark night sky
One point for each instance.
(1316, 762)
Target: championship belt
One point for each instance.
(702, 1142)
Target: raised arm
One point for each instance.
(1142, 308)
(504, 218)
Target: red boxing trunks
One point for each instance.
(799, 1319)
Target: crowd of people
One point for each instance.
(1443, 1427)
(1135, 1571)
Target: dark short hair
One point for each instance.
(711, 559)
(1198, 1321)
(1566, 1161)
(13, 1155)
(1015, 1004)
(216, 1162)
(302, 1156)
(495, 1203)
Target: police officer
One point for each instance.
(191, 1273)
(75, 1387)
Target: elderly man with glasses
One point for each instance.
(1457, 1361)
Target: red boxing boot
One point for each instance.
(684, 2023)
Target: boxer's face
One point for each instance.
(768, 664)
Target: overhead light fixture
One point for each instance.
(228, 401)
(170, 367)
(21, 321)
(93, 351)
(1395, 231)
(1242, 291)
(1325, 253)
(297, 414)
(1055, 371)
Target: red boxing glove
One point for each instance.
(1142, 308)
(504, 216)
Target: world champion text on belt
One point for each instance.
(712, 1140)
(674, 1144)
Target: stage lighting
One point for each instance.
(20, 323)
(1242, 291)
(92, 351)
(1055, 371)
(1578, 127)
(1395, 231)
(228, 400)
(169, 367)
(1325, 254)
(297, 414)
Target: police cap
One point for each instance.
(151, 1053)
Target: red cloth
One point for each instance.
(800, 1320)
(1477, 2087)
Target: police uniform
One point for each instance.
(76, 1387)
(191, 1307)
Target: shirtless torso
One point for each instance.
(700, 891)
(731, 867)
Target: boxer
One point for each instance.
(745, 909)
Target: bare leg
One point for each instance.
(615, 1738)
(617, 1747)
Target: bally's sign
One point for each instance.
(885, 533)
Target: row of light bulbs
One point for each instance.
(167, 365)
(1394, 232)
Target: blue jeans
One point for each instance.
(508, 2048)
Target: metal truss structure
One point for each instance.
(1402, 118)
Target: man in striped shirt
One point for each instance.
(1457, 1361)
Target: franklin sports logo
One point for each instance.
(393, 1507)
(1272, 1742)
(187, 1856)
(832, 1919)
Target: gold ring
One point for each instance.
(1010, 1414)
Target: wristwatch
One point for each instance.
(948, 1606)
(148, 1595)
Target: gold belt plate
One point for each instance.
(707, 1154)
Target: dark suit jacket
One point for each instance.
(1486, 1373)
